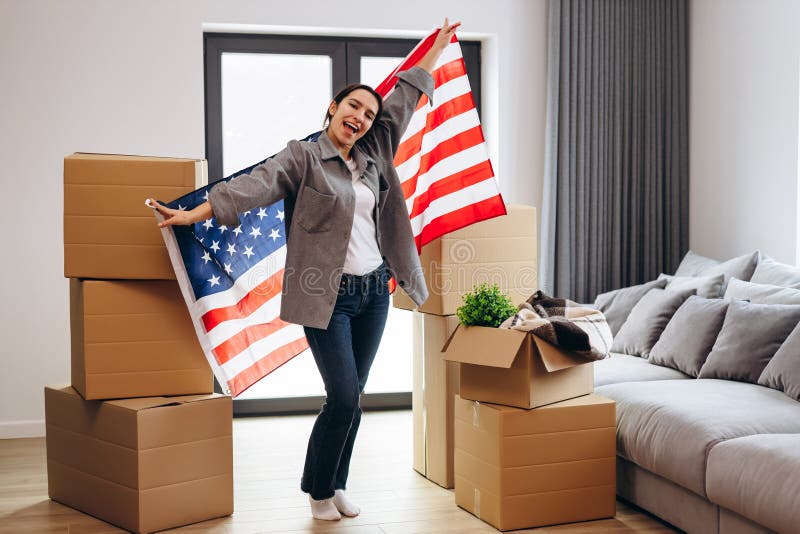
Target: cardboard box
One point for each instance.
(516, 368)
(108, 231)
(502, 250)
(519, 469)
(134, 339)
(142, 464)
(433, 398)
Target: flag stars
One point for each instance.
(214, 246)
(262, 213)
(280, 215)
(237, 230)
(255, 232)
(214, 280)
(205, 196)
(222, 228)
(206, 257)
(208, 224)
(228, 268)
(274, 234)
(248, 251)
(231, 249)
(181, 207)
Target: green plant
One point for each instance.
(485, 305)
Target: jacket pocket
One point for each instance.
(314, 210)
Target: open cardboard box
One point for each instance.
(516, 368)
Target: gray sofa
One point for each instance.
(707, 455)
(704, 455)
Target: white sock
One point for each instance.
(324, 509)
(344, 505)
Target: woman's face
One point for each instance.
(351, 118)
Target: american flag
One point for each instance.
(231, 278)
(442, 161)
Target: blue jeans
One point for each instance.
(344, 353)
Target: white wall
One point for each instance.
(744, 59)
(127, 77)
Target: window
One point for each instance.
(263, 90)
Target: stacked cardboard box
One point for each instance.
(527, 468)
(533, 445)
(501, 251)
(160, 455)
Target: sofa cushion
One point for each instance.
(758, 477)
(750, 337)
(690, 334)
(647, 320)
(761, 293)
(769, 271)
(706, 286)
(783, 370)
(624, 368)
(740, 267)
(617, 305)
(668, 426)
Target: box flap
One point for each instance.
(555, 358)
(146, 403)
(482, 345)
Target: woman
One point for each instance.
(349, 232)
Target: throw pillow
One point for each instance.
(783, 370)
(617, 305)
(740, 267)
(709, 287)
(750, 337)
(690, 334)
(761, 293)
(647, 320)
(769, 271)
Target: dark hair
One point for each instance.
(346, 91)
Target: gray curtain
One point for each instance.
(616, 203)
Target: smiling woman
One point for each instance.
(349, 232)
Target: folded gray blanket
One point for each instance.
(564, 323)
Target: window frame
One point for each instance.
(346, 54)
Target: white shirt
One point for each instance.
(363, 254)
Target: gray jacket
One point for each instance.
(320, 203)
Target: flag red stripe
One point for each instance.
(451, 184)
(236, 344)
(457, 219)
(266, 365)
(447, 148)
(411, 146)
(449, 71)
(260, 294)
(412, 59)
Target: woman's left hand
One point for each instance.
(446, 32)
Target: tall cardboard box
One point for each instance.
(433, 398)
(519, 468)
(502, 250)
(134, 339)
(142, 464)
(108, 231)
(515, 368)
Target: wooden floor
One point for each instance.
(268, 460)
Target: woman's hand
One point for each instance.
(446, 32)
(181, 217)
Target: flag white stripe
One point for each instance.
(450, 53)
(261, 348)
(447, 167)
(458, 199)
(243, 286)
(441, 95)
(265, 313)
(433, 138)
